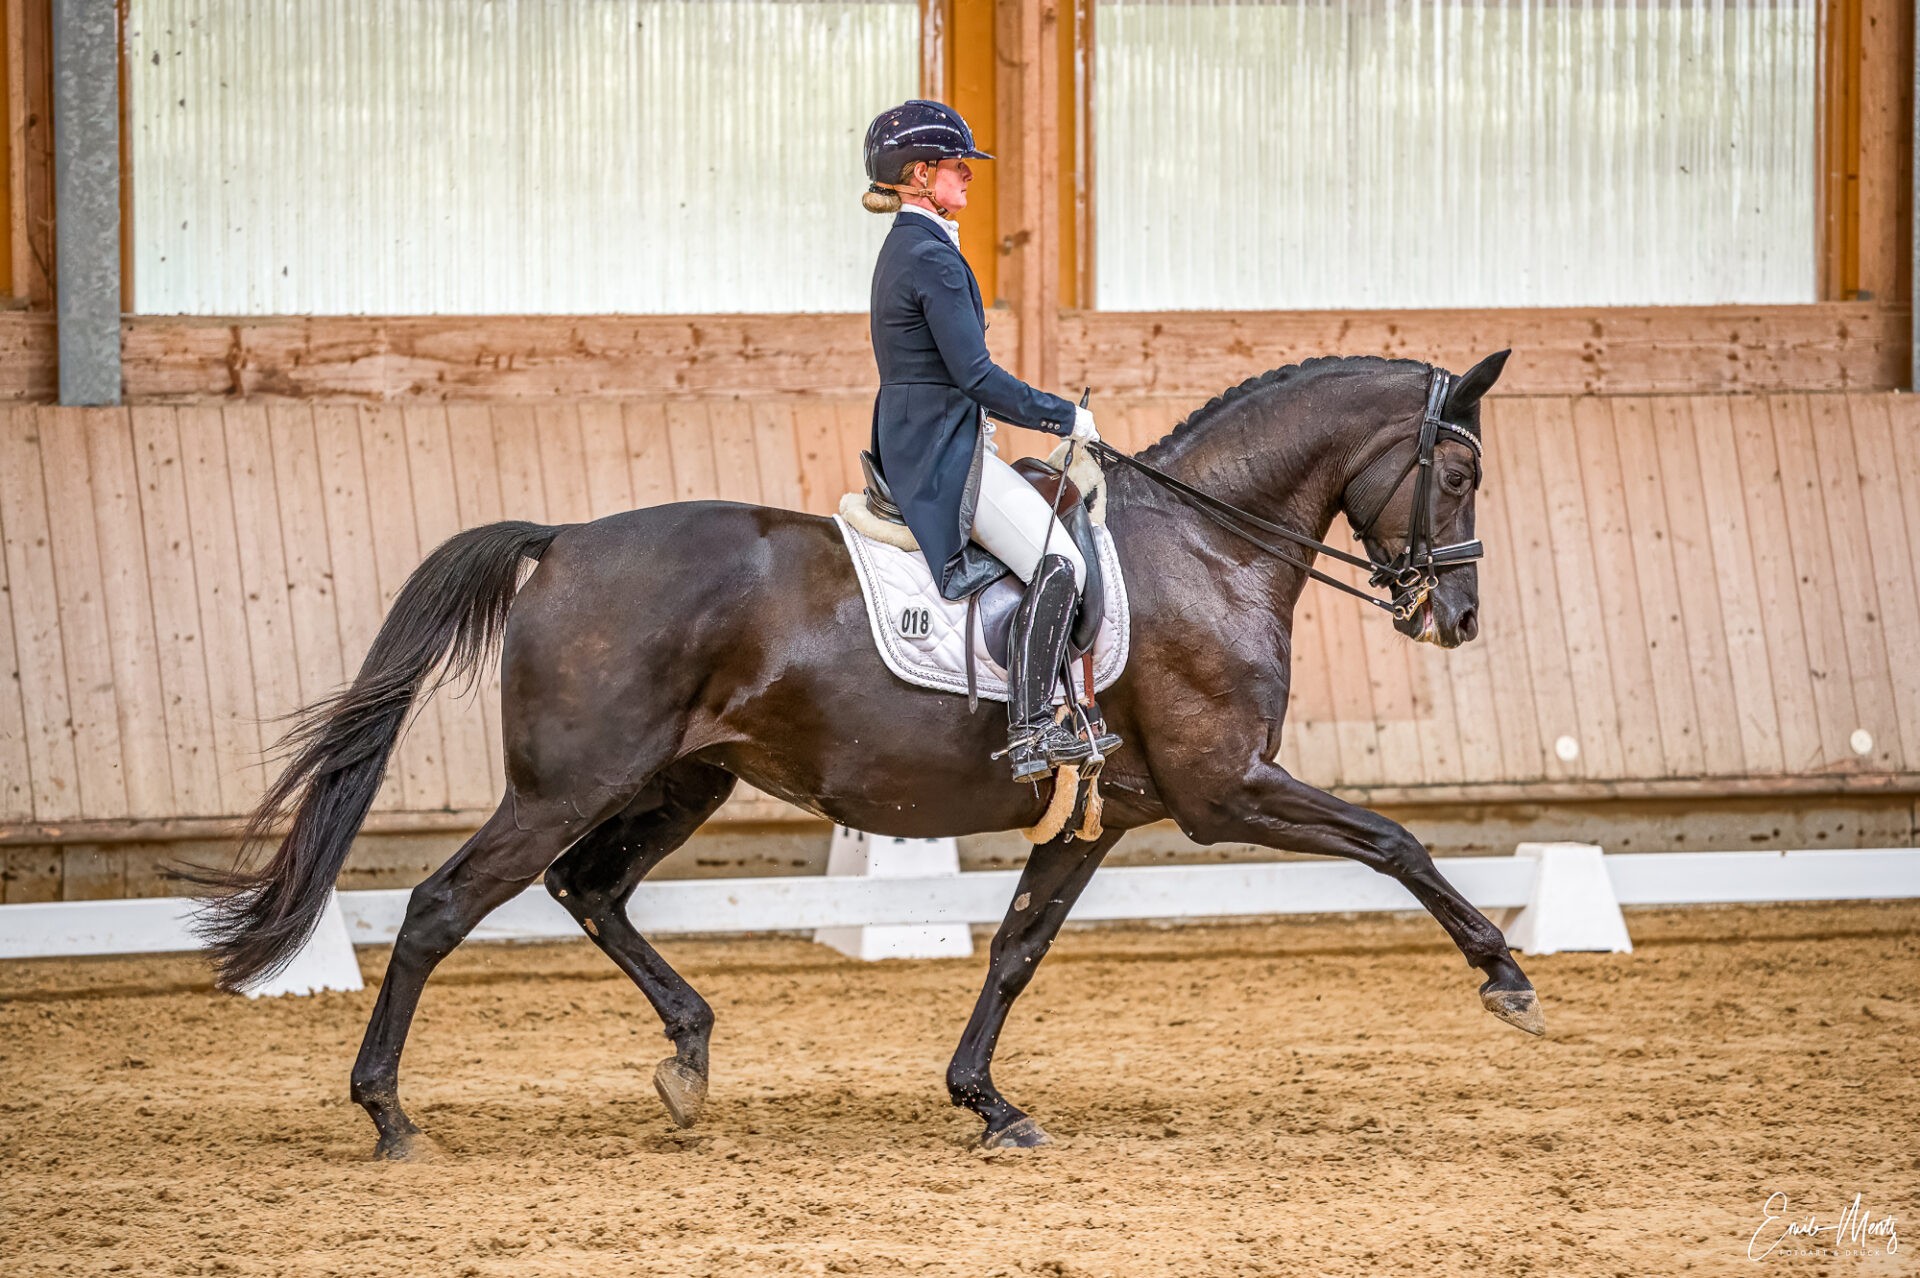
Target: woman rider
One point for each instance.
(929, 428)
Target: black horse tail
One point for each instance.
(448, 617)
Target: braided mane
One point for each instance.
(1273, 378)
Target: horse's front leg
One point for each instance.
(1055, 874)
(1277, 810)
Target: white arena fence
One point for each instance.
(1563, 897)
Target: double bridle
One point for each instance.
(1412, 575)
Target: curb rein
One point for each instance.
(1413, 574)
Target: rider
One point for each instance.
(931, 438)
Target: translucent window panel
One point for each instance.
(503, 156)
(1437, 153)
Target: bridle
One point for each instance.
(1410, 576)
(1414, 572)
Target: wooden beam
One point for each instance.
(1027, 42)
(1839, 193)
(935, 17)
(1677, 350)
(971, 77)
(758, 809)
(29, 112)
(1656, 350)
(10, 178)
(127, 302)
(1077, 204)
(546, 358)
(748, 809)
(1885, 141)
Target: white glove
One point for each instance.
(1083, 425)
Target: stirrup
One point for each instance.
(1044, 747)
(1104, 742)
(1094, 727)
(1030, 768)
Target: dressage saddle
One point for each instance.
(997, 601)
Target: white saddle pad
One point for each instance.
(921, 635)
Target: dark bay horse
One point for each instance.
(654, 657)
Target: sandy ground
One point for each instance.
(1320, 1097)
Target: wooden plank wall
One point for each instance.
(1708, 586)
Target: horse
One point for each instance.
(654, 658)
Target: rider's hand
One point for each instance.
(1083, 426)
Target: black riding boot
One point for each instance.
(1035, 742)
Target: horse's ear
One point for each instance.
(1475, 382)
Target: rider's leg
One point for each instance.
(1014, 521)
(1035, 741)
(1017, 525)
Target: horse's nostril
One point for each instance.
(1469, 625)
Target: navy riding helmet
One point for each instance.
(917, 130)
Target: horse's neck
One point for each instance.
(1286, 462)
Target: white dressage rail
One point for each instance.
(1171, 892)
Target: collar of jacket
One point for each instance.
(911, 214)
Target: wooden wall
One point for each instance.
(177, 578)
(1705, 594)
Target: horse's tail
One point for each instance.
(448, 618)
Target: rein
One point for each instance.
(1412, 574)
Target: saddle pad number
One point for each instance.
(916, 623)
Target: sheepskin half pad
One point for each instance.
(920, 634)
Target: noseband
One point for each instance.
(1412, 575)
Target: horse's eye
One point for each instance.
(1455, 480)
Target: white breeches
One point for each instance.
(1012, 521)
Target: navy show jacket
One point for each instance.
(930, 340)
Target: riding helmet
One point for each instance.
(917, 130)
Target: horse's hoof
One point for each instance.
(1518, 1008)
(682, 1090)
(1025, 1134)
(408, 1147)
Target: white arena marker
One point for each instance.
(1861, 741)
(326, 962)
(875, 856)
(1572, 905)
(1567, 748)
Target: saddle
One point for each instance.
(996, 602)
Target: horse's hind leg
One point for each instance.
(594, 881)
(489, 869)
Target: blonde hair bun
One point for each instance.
(879, 201)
